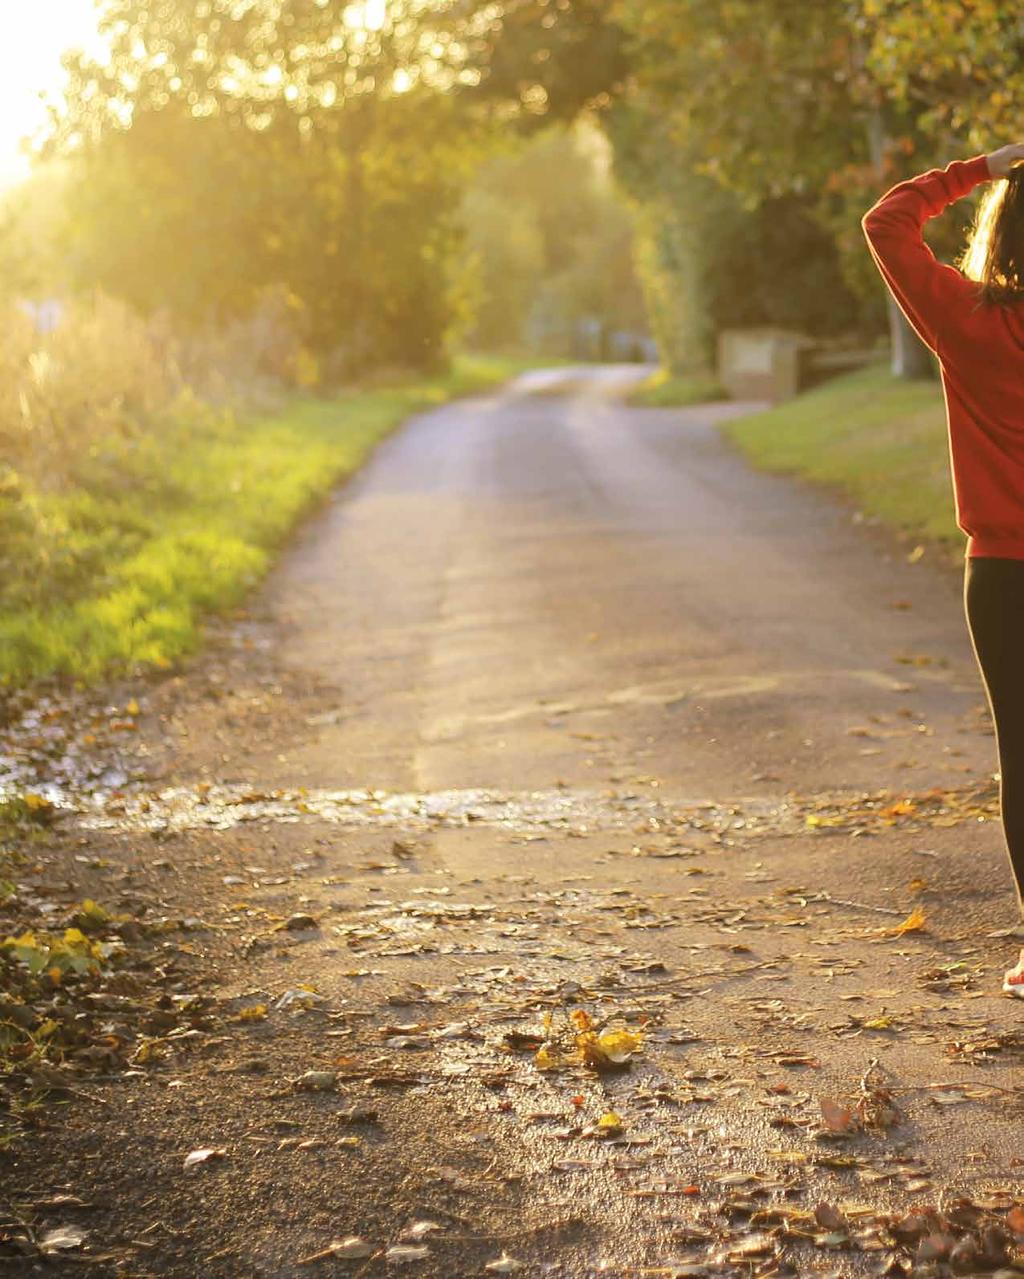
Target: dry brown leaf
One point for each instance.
(837, 1118)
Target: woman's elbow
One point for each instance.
(870, 222)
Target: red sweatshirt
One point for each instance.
(980, 347)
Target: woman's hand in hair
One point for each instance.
(1002, 161)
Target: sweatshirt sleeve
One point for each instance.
(930, 294)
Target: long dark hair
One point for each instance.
(995, 252)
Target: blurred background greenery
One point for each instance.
(238, 210)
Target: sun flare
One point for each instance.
(30, 68)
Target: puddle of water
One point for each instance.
(133, 807)
(222, 807)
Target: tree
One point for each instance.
(505, 266)
(553, 241)
(774, 97)
(543, 61)
(31, 215)
(712, 261)
(228, 147)
(957, 69)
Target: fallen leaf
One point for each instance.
(548, 1057)
(753, 1245)
(62, 1238)
(204, 1156)
(255, 1012)
(610, 1123)
(351, 1248)
(618, 1045)
(829, 1218)
(302, 996)
(420, 1229)
(457, 1030)
(914, 923)
(298, 923)
(505, 1265)
(399, 1254)
(316, 1081)
(837, 1118)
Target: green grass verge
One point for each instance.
(663, 390)
(116, 571)
(880, 440)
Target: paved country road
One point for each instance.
(559, 708)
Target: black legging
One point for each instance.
(994, 601)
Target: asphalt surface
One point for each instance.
(560, 706)
(508, 570)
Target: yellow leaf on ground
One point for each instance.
(902, 808)
(255, 1012)
(914, 923)
(619, 1045)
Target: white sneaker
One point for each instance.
(1013, 981)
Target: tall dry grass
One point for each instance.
(105, 421)
(99, 375)
(105, 376)
(144, 483)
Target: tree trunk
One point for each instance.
(910, 357)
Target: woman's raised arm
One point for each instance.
(930, 294)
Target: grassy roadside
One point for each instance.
(663, 390)
(880, 441)
(116, 571)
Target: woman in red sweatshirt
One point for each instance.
(974, 322)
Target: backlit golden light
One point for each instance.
(368, 13)
(35, 37)
(975, 259)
